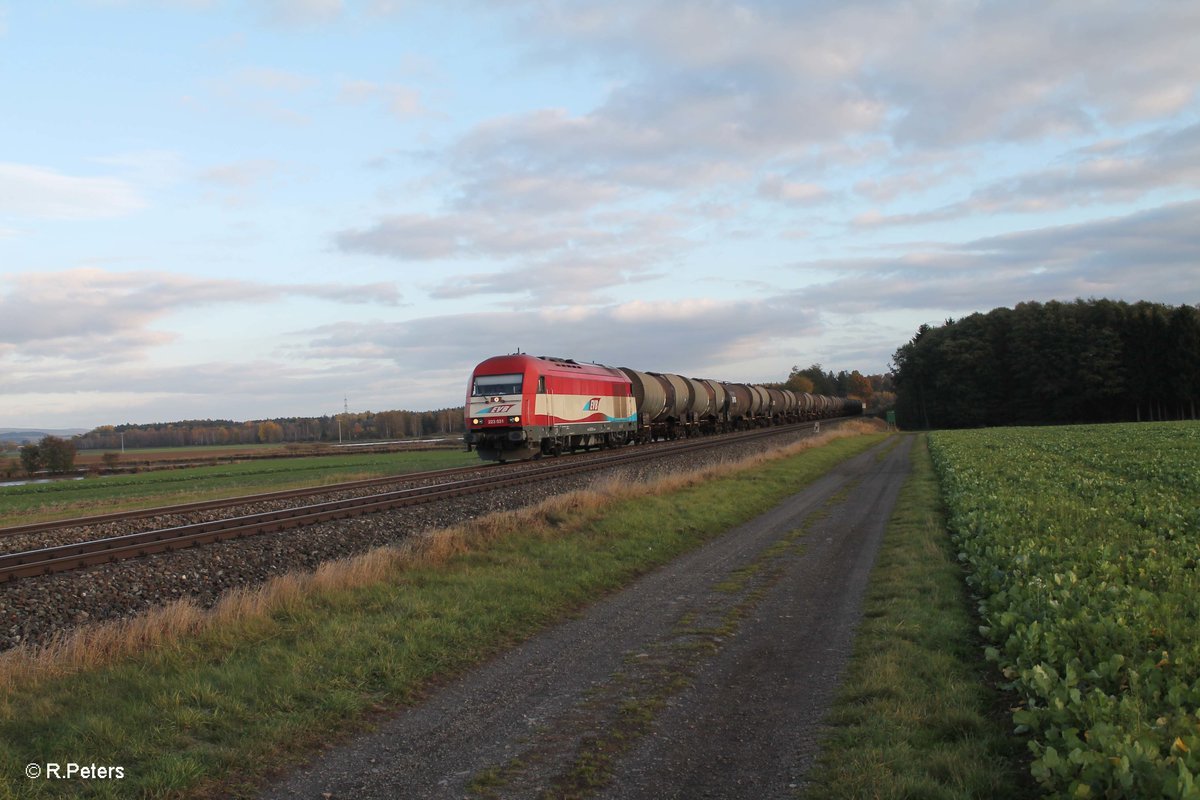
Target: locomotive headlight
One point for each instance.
(475, 420)
(514, 420)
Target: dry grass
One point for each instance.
(106, 643)
(347, 477)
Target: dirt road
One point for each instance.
(707, 678)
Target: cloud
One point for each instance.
(955, 74)
(507, 232)
(34, 192)
(1107, 172)
(234, 183)
(132, 391)
(149, 169)
(300, 13)
(528, 191)
(757, 103)
(928, 73)
(241, 174)
(747, 76)
(775, 187)
(558, 257)
(92, 314)
(693, 135)
(268, 93)
(562, 280)
(686, 336)
(1149, 255)
(411, 236)
(271, 79)
(705, 97)
(402, 102)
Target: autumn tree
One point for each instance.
(860, 386)
(269, 431)
(819, 381)
(57, 454)
(31, 458)
(799, 383)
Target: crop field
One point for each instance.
(93, 495)
(1082, 545)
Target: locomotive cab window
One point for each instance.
(541, 384)
(488, 385)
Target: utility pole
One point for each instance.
(345, 412)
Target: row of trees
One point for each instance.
(876, 391)
(340, 427)
(1052, 363)
(53, 454)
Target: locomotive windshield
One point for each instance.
(487, 385)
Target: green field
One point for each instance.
(1082, 545)
(96, 495)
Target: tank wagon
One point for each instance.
(522, 406)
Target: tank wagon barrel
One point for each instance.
(720, 403)
(679, 394)
(650, 393)
(778, 402)
(523, 406)
(701, 403)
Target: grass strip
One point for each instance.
(190, 702)
(916, 715)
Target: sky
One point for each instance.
(256, 209)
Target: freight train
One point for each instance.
(522, 406)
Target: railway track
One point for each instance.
(63, 558)
(229, 502)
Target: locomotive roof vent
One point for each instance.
(567, 362)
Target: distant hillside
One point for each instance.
(24, 435)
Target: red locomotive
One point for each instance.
(521, 406)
